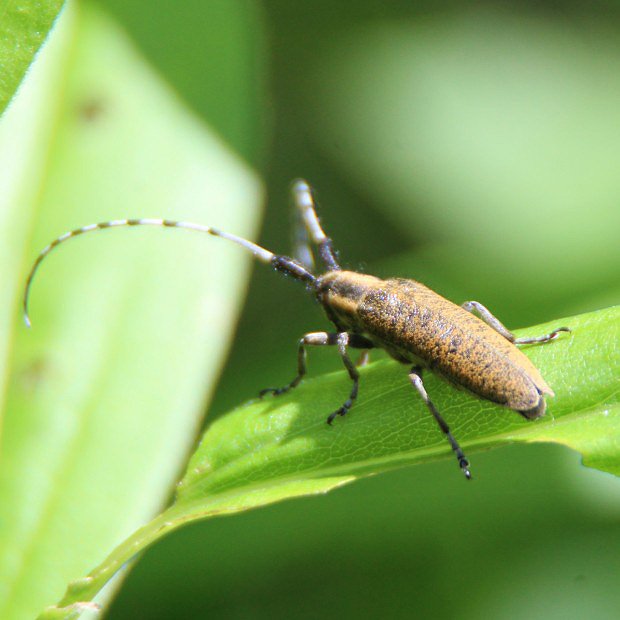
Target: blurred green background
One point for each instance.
(475, 148)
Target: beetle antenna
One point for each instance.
(280, 263)
(304, 201)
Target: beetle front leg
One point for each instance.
(484, 313)
(311, 339)
(342, 340)
(416, 379)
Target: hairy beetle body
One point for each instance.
(415, 325)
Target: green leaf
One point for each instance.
(104, 396)
(278, 448)
(23, 28)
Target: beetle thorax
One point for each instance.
(340, 293)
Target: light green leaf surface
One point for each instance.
(103, 397)
(274, 449)
(24, 24)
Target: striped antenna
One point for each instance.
(260, 253)
(304, 201)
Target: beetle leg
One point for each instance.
(342, 340)
(311, 339)
(498, 326)
(416, 379)
(484, 313)
(546, 338)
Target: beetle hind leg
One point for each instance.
(416, 379)
(541, 339)
(490, 319)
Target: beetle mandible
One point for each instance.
(465, 344)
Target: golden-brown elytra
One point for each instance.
(415, 325)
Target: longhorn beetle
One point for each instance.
(415, 325)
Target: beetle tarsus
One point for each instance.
(486, 315)
(464, 465)
(416, 379)
(553, 335)
(342, 411)
(274, 391)
(541, 339)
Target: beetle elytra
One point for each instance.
(465, 344)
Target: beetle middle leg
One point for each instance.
(342, 340)
(491, 320)
(416, 379)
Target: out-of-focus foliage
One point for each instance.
(105, 394)
(498, 131)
